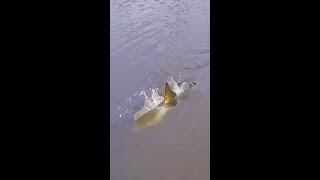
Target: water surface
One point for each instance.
(150, 41)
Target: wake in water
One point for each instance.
(155, 99)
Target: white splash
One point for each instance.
(174, 86)
(154, 99)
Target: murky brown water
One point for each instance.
(150, 41)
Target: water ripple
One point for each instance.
(169, 36)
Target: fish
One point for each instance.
(156, 115)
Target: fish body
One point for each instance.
(154, 116)
(151, 118)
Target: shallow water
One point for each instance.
(150, 41)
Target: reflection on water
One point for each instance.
(151, 40)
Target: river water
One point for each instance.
(150, 42)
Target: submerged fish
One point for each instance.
(154, 116)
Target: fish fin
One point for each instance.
(169, 95)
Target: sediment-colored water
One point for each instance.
(151, 41)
